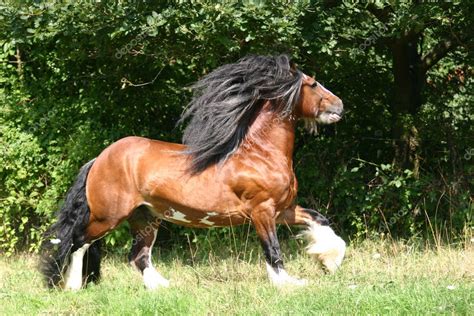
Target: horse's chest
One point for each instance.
(279, 187)
(286, 193)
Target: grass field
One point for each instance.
(383, 278)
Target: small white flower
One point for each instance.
(352, 286)
(55, 241)
(376, 256)
(451, 287)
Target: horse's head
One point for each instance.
(317, 104)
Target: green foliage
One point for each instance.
(77, 76)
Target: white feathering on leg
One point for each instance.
(73, 277)
(152, 278)
(325, 245)
(282, 278)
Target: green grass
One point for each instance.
(383, 278)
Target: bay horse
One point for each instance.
(235, 166)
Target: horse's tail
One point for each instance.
(67, 235)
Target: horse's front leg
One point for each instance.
(264, 221)
(324, 244)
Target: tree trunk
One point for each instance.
(408, 80)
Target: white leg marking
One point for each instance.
(282, 278)
(152, 278)
(325, 245)
(73, 277)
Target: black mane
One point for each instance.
(227, 100)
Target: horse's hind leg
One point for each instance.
(84, 266)
(144, 228)
(84, 262)
(73, 277)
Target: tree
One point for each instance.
(426, 34)
(76, 76)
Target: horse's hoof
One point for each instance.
(290, 281)
(154, 280)
(300, 282)
(280, 278)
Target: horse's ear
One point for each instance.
(308, 80)
(292, 66)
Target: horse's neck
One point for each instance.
(271, 134)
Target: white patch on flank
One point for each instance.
(282, 278)
(205, 221)
(73, 277)
(55, 241)
(325, 245)
(152, 278)
(178, 216)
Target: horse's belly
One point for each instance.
(197, 218)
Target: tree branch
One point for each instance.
(125, 82)
(442, 49)
(19, 63)
(383, 15)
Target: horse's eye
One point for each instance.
(314, 85)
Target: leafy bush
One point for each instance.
(77, 76)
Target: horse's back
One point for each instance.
(115, 182)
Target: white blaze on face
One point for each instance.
(324, 88)
(333, 111)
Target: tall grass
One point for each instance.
(384, 277)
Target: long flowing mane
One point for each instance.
(226, 101)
